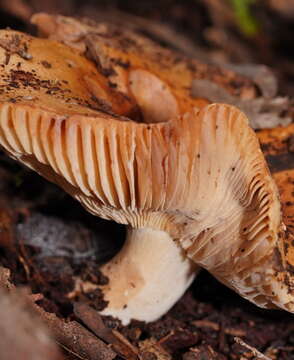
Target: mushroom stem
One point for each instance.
(147, 276)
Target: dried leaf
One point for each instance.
(262, 112)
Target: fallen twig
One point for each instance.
(75, 337)
(118, 342)
(254, 351)
(216, 327)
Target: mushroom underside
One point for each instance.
(192, 184)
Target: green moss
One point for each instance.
(245, 19)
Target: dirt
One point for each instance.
(47, 240)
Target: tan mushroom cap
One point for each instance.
(73, 130)
(277, 145)
(129, 69)
(48, 117)
(44, 101)
(55, 77)
(121, 53)
(198, 176)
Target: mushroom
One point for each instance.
(188, 178)
(60, 117)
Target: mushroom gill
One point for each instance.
(62, 118)
(189, 179)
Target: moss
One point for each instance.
(244, 17)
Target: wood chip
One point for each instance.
(178, 339)
(150, 349)
(216, 327)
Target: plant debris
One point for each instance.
(70, 334)
(94, 321)
(254, 351)
(15, 45)
(263, 112)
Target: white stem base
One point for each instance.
(147, 277)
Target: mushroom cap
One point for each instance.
(61, 117)
(277, 145)
(116, 50)
(197, 174)
(53, 76)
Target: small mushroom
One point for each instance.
(189, 179)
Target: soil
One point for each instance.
(48, 240)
